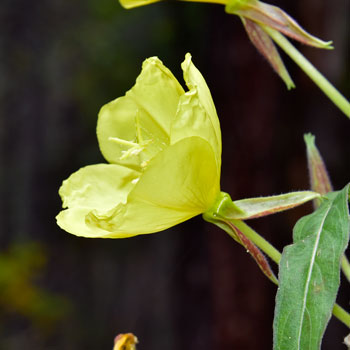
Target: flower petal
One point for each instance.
(179, 183)
(129, 4)
(195, 81)
(192, 120)
(117, 120)
(97, 187)
(73, 221)
(146, 112)
(157, 92)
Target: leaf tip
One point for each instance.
(309, 139)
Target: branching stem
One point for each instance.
(345, 265)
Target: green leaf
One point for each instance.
(309, 275)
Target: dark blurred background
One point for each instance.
(190, 287)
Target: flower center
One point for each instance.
(136, 146)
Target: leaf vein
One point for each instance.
(308, 280)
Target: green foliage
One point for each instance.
(20, 268)
(309, 275)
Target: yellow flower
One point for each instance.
(164, 149)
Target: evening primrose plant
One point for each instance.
(163, 147)
(162, 144)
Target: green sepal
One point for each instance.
(276, 18)
(265, 45)
(251, 208)
(319, 178)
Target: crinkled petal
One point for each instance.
(97, 187)
(157, 92)
(195, 81)
(179, 183)
(73, 221)
(145, 112)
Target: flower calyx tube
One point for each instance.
(228, 215)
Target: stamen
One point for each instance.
(138, 127)
(123, 142)
(135, 148)
(134, 151)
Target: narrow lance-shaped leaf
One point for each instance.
(320, 182)
(309, 275)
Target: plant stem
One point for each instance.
(333, 94)
(275, 255)
(259, 241)
(345, 265)
(341, 314)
